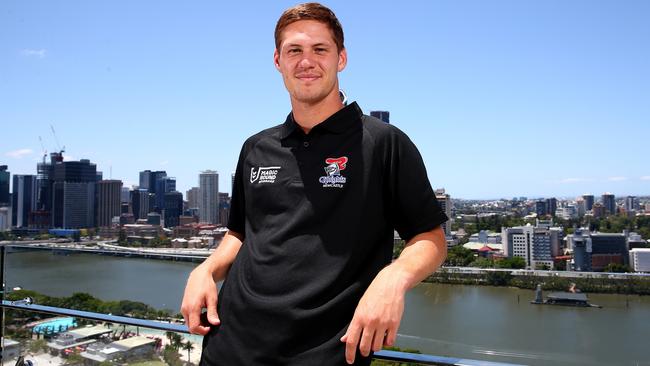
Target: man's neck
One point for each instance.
(307, 116)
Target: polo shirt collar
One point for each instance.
(347, 117)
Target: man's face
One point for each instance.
(309, 61)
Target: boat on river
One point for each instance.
(573, 298)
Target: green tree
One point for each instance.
(512, 263)
(188, 346)
(459, 256)
(617, 268)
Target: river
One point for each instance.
(485, 323)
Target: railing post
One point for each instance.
(2, 297)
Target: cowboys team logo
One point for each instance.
(333, 170)
(264, 174)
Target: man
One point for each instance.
(307, 259)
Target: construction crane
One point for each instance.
(43, 148)
(61, 150)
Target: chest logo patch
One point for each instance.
(264, 174)
(333, 168)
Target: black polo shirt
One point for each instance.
(317, 211)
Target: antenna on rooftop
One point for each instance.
(43, 148)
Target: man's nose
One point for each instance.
(306, 61)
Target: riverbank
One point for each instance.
(605, 283)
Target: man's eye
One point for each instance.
(294, 50)
(320, 50)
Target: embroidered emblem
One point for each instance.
(264, 174)
(333, 169)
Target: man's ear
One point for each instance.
(343, 60)
(276, 59)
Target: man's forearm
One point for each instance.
(422, 255)
(219, 262)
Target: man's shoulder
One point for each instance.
(266, 134)
(381, 131)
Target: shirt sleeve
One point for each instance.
(414, 207)
(237, 218)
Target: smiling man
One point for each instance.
(306, 264)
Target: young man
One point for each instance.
(307, 260)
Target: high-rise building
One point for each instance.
(609, 203)
(109, 201)
(73, 194)
(125, 196)
(224, 208)
(209, 203)
(4, 186)
(382, 115)
(534, 244)
(5, 218)
(551, 206)
(173, 208)
(163, 185)
(148, 179)
(588, 201)
(141, 202)
(444, 200)
(631, 203)
(23, 199)
(540, 208)
(193, 197)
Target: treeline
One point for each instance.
(86, 302)
(596, 284)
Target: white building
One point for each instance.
(534, 245)
(5, 218)
(209, 201)
(640, 259)
(445, 202)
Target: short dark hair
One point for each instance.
(310, 11)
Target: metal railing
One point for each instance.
(386, 355)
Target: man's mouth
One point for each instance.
(307, 77)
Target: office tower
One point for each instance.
(23, 199)
(125, 196)
(445, 202)
(540, 208)
(193, 197)
(224, 209)
(109, 201)
(141, 203)
(163, 185)
(631, 203)
(4, 186)
(73, 194)
(588, 201)
(209, 203)
(148, 179)
(608, 248)
(382, 115)
(534, 244)
(5, 218)
(580, 206)
(551, 206)
(173, 208)
(609, 203)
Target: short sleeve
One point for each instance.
(237, 218)
(414, 207)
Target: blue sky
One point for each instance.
(503, 98)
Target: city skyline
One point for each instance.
(503, 99)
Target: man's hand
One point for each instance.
(201, 288)
(379, 312)
(200, 292)
(377, 317)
